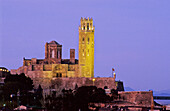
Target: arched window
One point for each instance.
(87, 26)
(84, 26)
(52, 53)
(83, 40)
(88, 40)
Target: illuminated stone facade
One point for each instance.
(53, 65)
(86, 47)
(56, 73)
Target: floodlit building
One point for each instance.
(86, 47)
(54, 72)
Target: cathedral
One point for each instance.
(58, 67)
(54, 72)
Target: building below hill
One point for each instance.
(4, 72)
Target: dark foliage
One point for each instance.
(18, 86)
(70, 101)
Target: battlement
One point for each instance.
(86, 24)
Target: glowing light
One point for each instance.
(0, 69)
(93, 79)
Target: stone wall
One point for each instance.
(47, 77)
(66, 70)
(58, 84)
(137, 98)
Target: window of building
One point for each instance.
(58, 74)
(33, 68)
(84, 26)
(87, 26)
(58, 54)
(88, 40)
(52, 53)
(83, 39)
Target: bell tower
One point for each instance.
(86, 47)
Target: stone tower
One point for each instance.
(86, 47)
(53, 53)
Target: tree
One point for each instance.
(88, 94)
(17, 85)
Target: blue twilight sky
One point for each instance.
(133, 36)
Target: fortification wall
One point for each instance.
(48, 82)
(49, 79)
(137, 98)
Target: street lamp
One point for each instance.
(12, 95)
(93, 80)
(114, 75)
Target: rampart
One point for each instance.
(58, 84)
(137, 98)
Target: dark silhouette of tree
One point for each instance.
(114, 94)
(88, 94)
(17, 85)
(78, 100)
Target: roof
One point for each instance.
(67, 61)
(36, 58)
(54, 42)
(3, 68)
